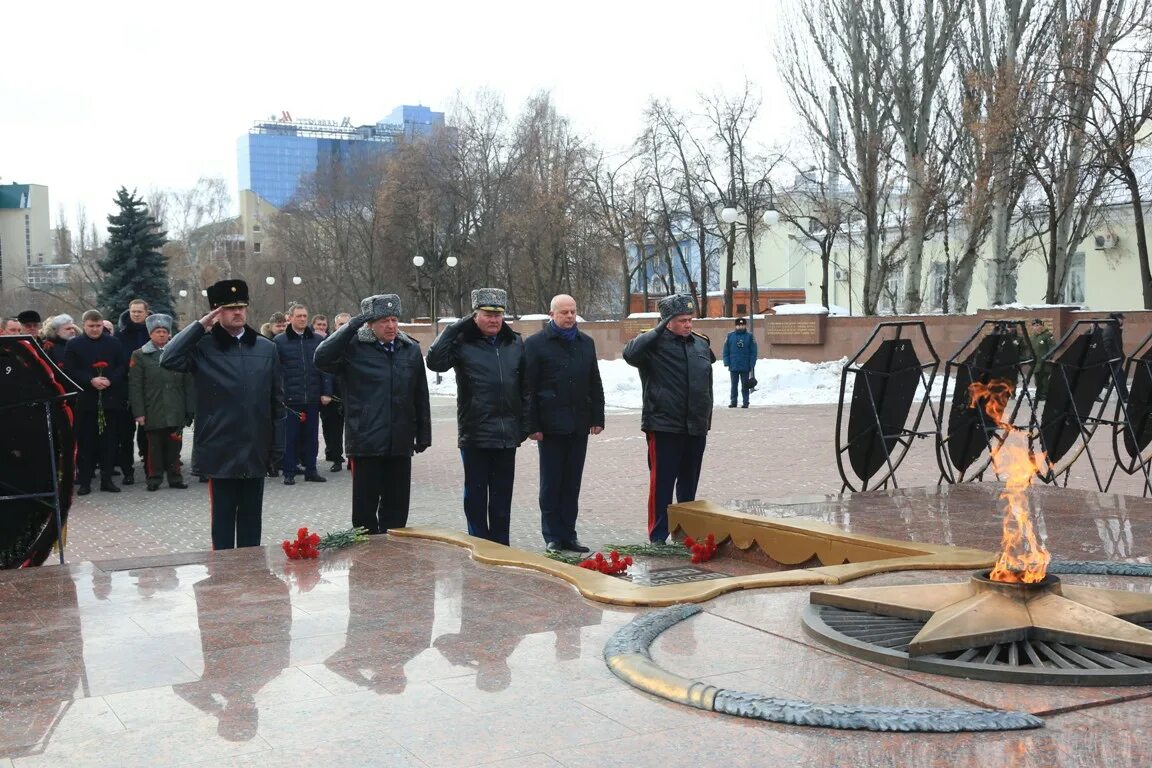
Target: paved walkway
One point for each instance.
(753, 456)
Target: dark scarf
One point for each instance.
(566, 334)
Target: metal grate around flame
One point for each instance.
(885, 639)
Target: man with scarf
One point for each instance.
(565, 400)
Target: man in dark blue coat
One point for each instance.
(386, 404)
(97, 362)
(306, 388)
(676, 376)
(488, 358)
(565, 400)
(740, 359)
(239, 410)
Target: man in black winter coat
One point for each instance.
(676, 376)
(306, 388)
(97, 362)
(132, 332)
(239, 410)
(387, 409)
(565, 404)
(488, 358)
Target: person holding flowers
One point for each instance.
(96, 361)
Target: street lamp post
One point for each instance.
(730, 215)
(433, 274)
(296, 280)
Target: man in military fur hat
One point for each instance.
(388, 415)
(239, 410)
(676, 377)
(488, 357)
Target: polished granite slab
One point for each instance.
(403, 652)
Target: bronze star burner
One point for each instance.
(982, 612)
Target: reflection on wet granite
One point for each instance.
(406, 653)
(1075, 524)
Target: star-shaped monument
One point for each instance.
(983, 612)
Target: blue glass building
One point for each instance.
(276, 154)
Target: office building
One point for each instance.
(25, 232)
(278, 153)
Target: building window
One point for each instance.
(1074, 282)
(256, 227)
(937, 282)
(255, 247)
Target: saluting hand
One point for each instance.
(210, 319)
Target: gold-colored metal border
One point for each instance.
(843, 556)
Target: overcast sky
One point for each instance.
(95, 95)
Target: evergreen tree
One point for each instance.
(134, 267)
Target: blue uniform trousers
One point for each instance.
(739, 379)
(561, 468)
(489, 474)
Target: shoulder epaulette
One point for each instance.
(695, 333)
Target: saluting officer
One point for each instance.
(676, 377)
(387, 413)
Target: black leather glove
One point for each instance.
(188, 419)
(421, 447)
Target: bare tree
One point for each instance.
(1120, 115)
(924, 42)
(833, 57)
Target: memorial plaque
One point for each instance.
(794, 329)
(630, 329)
(655, 577)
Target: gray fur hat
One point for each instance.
(380, 305)
(491, 299)
(677, 304)
(152, 322)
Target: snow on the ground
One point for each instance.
(781, 382)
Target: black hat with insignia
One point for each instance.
(380, 305)
(741, 322)
(28, 317)
(228, 293)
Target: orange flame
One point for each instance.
(1023, 558)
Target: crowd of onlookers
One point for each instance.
(129, 406)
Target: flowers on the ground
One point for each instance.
(304, 548)
(610, 565)
(702, 551)
(307, 545)
(345, 538)
(101, 420)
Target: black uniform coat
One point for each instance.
(80, 357)
(239, 399)
(562, 384)
(304, 383)
(386, 409)
(489, 392)
(676, 376)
